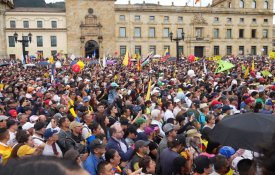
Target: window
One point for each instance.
(122, 17)
(12, 56)
(273, 42)
(180, 31)
(11, 41)
(229, 50)
(216, 33)
(152, 50)
(166, 32)
(166, 18)
(265, 4)
(12, 24)
(54, 24)
(122, 32)
(53, 52)
(241, 20)
(253, 33)
(39, 41)
(254, 4)
(241, 33)
(254, 20)
(122, 50)
(253, 50)
(138, 50)
(53, 41)
(265, 50)
(137, 17)
(229, 4)
(152, 18)
(152, 32)
(216, 50)
(26, 24)
(198, 32)
(229, 20)
(241, 3)
(137, 32)
(241, 50)
(26, 38)
(265, 20)
(39, 24)
(181, 50)
(265, 33)
(229, 33)
(216, 19)
(165, 48)
(180, 19)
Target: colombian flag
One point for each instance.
(166, 55)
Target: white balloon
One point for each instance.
(191, 73)
(58, 64)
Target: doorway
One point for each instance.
(199, 51)
(91, 49)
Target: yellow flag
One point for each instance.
(246, 72)
(51, 60)
(126, 59)
(272, 55)
(253, 66)
(149, 90)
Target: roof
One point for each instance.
(9, 3)
(40, 9)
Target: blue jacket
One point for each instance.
(91, 164)
(113, 144)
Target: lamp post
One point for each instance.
(177, 39)
(24, 42)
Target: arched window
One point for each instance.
(229, 5)
(265, 4)
(254, 4)
(241, 3)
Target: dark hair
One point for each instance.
(101, 167)
(112, 131)
(219, 162)
(3, 133)
(144, 162)
(100, 136)
(110, 154)
(101, 121)
(61, 121)
(244, 166)
(93, 126)
(178, 163)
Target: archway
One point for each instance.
(92, 49)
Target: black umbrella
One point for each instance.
(247, 131)
(4, 64)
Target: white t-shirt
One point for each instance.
(12, 141)
(37, 140)
(168, 114)
(48, 150)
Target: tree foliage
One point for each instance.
(38, 3)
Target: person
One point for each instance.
(3, 121)
(221, 165)
(5, 149)
(74, 156)
(169, 111)
(51, 148)
(105, 168)
(12, 126)
(97, 149)
(156, 120)
(202, 166)
(141, 150)
(226, 110)
(87, 120)
(210, 121)
(141, 124)
(170, 134)
(118, 143)
(65, 134)
(113, 158)
(153, 146)
(247, 167)
(148, 165)
(131, 135)
(180, 165)
(39, 130)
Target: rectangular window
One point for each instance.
(152, 32)
(265, 50)
(137, 32)
(153, 50)
(253, 50)
(253, 33)
(265, 33)
(26, 24)
(138, 50)
(241, 33)
(54, 24)
(181, 50)
(53, 52)
(216, 19)
(241, 20)
(166, 32)
(53, 41)
(166, 18)
(198, 32)
(180, 19)
(137, 17)
(39, 24)
(26, 38)
(122, 32)
(229, 33)
(216, 50)
(180, 31)
(122, 50)
(39, 41)
(254, 20)
(216, 33)
(166, 47)
(12, 24)
(229, 20)
(152, 18)
(229, 50)
(11, 41)
(122, 17)
(241, 50)
(265, 20)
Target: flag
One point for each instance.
(52, 73)
(246, 72)
(223, 66)
(197, 1)
(51, 60)
(138, 63)
(253, 66)
(28, 60)
(166, 55)
(104, 63)
(149, 90)
(126, 58)
(266, 73)
(204, 67)
(272, 55)
(243, 67)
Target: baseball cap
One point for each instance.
(227, 151)
(141, 143)
(269, 102)
(25, 150)
(176, 100)
(49, 133)
(249, 100)
(33, 118)
(217, 106)
(27, 126)
(75, 124)
(261, 88)
(200, 163)
(140, 121)
(114, 84)
(215, 102)
(168, 127)
(226, 108)
(86, 99)
(3, 117)
(203, 105)
(97, 143)
(193, 133)
(148, 130)
(13, 113)
(273, 87)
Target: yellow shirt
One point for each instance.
(5, 152)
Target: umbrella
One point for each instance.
(43, 63)
(157, 56)
(247, 131)
(4, 64)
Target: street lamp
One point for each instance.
(177, 39)
(24, 42)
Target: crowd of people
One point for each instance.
(120, 120)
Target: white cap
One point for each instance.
(34, 118)
(261, 88)
(28, 95)
(176, 100)
(27, 126)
